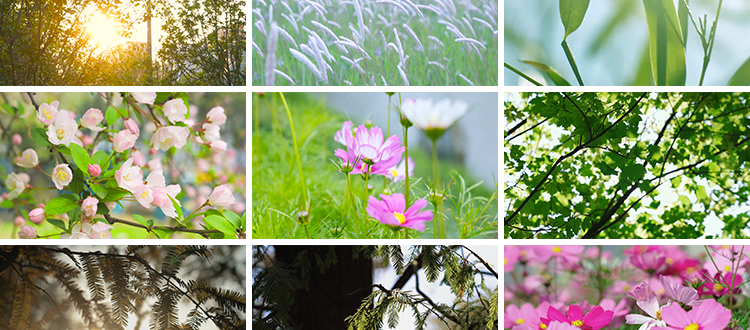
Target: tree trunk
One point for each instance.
(332, 296)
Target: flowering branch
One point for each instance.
(112, 220)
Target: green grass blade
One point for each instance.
(682, 13)
(523, 75)
(742, 76)
(572, 61)
(665, 43)
(572, 13)
(549, 73)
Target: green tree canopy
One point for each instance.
(627, 165)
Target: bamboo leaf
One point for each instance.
(742, 76)
(682, 13)
(549, 73)
(665, 43)
(572, 13)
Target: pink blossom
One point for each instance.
(131, 126)
(392, 211)
(398, 173)
(19, 221)
(211, 132)
(47, 113)
(78, 235)
(37, 215)
(650, 262)
(17, 139)
(221, 196)
(372, 149)
(175, 110)
(720, 285)
(709, 315)
(128, 177)
(162, 192)
(91, 119)
(650, 305)
(154, 163)
(100, 230)
(111, 206)
(61, 176)
(29, 159)
(595, 319)
(138, 159)
(344, 135)
(679, 292)
(170, 136)
(94, 170)
(27, 232)
(216, 116)
(63, 129)
(144, 97)
(218, 146)
(89, 206)
(557, 325)
(87, 140)
(640, 292)
(124, 140)
(511, 255)
(566, 253)
(144, 195)
(526, 317)
(15, 184)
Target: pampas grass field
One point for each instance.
(375, 42)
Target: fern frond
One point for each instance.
(22, 301)
(173, 261)
(164, 315)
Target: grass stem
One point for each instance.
(523, 75)
(572, 61)
(303, 205)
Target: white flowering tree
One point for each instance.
(95, 165)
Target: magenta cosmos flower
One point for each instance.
(709, 315)
(524, 318)
(596, 319)
(392, 211)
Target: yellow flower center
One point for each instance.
(692, 326)
(669, 261)
(542, 326)
(718, 287)
(28, 155)
(556, 249)
(505, 261)
(60, 132)
(400, 217)
(690, 270)
(394, 173)
(577, 323)
(658, 315)
(727, 268)
(363, 167)
(144, 194)
(626, 288)
(47, 115)
(126, 177)
(660, 291)
(520, 321)
(62, 175)
(168, 140)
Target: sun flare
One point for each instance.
(103, 31)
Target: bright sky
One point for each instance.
(651, 122)
(105, 31)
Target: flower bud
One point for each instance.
(19, 221)
(89, 206)
(27, 232)
(37, 215)
(131, 126)
(28, 159)
(221, 196)
(94, 170)
(17, 139)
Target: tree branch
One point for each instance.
(112, 220)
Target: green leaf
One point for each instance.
(177, 208)
(244, 220)
(140, 220)
(222, 224)
(665, 43)
(682, 13)
(99, 190)
(39, 135)
(58, 223)
(114, 194)
(80, 157)
(111, 115)
(61, 204)
(100, 157)
(162, 233)
(742, 76)
(232, 217)
(549, 73)
(572, 13)
(77, 184)
(7, 204)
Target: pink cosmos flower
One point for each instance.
(37, 215)
(28, 159)
(344, 135)
(557, 325)
(170, 136)
(89, 205)
(61, 176)
(398, 173)
(391, 211)
(91, 119)
(144, 97)
(124, 140)
(650, 305)
(221, 196)
(100, 230)
(216, 116)
(720, 285)
(372, 149)
(650, 262)
(678, 292)
(63, 130)
(596, 319)
(619, 309)
(47, 113)
(15, 185)
(175, 110)
(526, 317)
(128, 177)
(640, 292)
(709, 315)
(27, 232)
(94, 170)
(144, 195)
(17, 139)
(511, 255)
(131, 126)
(566, 253)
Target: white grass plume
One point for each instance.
(414, 36)
(285, 76)
(394, 3)
(483, 22)
(471, 41)
(466, 79)
(403, 75)
(306, 61)
(325, 28)
(270, 65)
(257, 49)
(436, 40)
(291, 21)
(286, 36)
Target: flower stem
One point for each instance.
(388, 134)
(303, 205)
(406, 162)
(196, 210)
(572, 61)
(436, 188)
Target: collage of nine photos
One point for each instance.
(126, 124)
